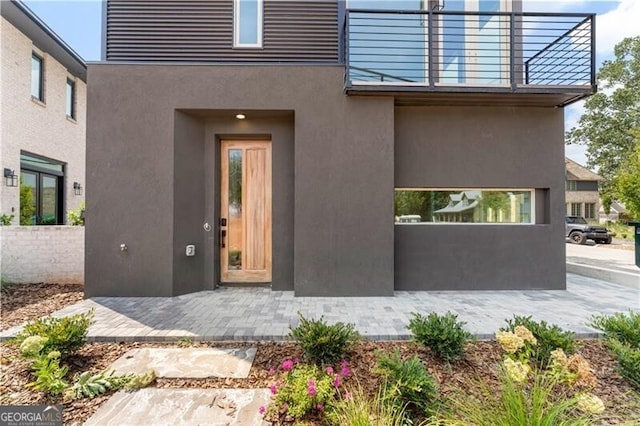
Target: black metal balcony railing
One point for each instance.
(470, 51)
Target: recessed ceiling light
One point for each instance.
(241, 116)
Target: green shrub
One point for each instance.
(407, 382)
(139, 381)
(549, 337)
(355, 409)
(628, 358)
(624, 327)
(443, 334)
(5, 219)
(65, 334)
(305, 388)
(516, 404)
(87, 385)
(323, 343)
(49, 374)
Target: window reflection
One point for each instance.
(463, 206)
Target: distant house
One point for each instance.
(43, 121)
(581, 191)
(616, 212)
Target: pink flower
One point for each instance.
(296, 361)
(287, 365)
(273, 389)
(348, 396)
(337, 381)
(320, 406)
(344, 363)
(329, 370)
(311, 387)
(272, 371)
(262, 410)
(346, 371)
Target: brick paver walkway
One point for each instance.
(262, 314)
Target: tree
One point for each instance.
(606, 127)
(628, 181)
(27, 204)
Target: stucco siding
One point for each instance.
(467, 147)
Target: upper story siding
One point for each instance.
(202, 31)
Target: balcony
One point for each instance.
(470, 58)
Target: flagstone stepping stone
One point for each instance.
(172, 406)
(187, 363)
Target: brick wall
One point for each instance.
(33, 254)
(35, 127)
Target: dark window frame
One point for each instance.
(40, 60)
(70, 104)
(42, 173)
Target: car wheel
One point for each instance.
(607, 241)
(578, 238)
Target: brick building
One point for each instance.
(42, 115)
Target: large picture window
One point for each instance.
(41, 190)
(487, 206)
(247, 31)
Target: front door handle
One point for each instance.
(223, 234)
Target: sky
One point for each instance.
(78, 23)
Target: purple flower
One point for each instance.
(272, 371)
(320, 406)
(287, 365)
(311, 387)
(344, 363)
(329, 370)
(346, 371)
(262, 410)
(273, 389)
(337, 381)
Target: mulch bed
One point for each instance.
(20, 303)
(622, 403)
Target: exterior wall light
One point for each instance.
(241, 116)
(77, 188)
(10, 177)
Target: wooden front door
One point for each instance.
(245, 215)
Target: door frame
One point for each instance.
(225, 276)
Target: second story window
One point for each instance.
(37, 77)
(247, 22)
(71, 99)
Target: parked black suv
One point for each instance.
(579, 231)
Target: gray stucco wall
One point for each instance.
(143, 158)
(487, 147)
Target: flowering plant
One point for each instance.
(305, 388)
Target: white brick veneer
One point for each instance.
(34, 127)
(33, 254)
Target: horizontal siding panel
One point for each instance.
(202, 30)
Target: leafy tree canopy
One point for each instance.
(612, 115)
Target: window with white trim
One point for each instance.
(475, 205)
(247, 23)
(576, 209)
(589, 210)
